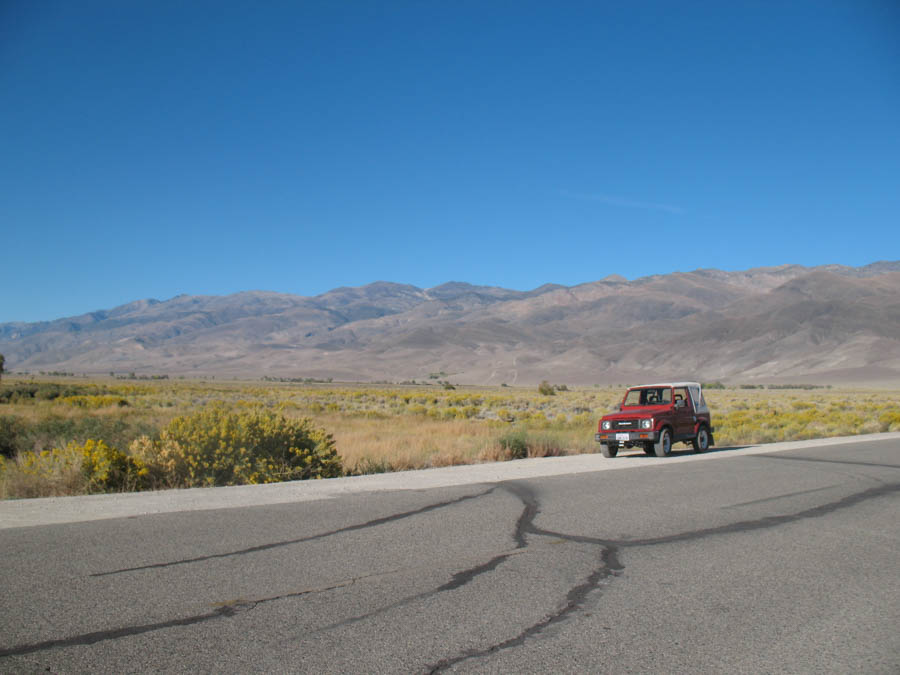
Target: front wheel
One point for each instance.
(663, 446)
(701, 441)
(609, 451)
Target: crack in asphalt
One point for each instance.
(228, 609)
(608, 566)
(221, 610)
(291, 542)
(769, 521)
(731, 528)
(459, 579)
(786, 495)
(114, 634)
(851, 462)
(530, 511)
(574, 600)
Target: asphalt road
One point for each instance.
(736, 561)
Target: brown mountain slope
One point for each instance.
(772, 324)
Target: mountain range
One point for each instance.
(829, 324)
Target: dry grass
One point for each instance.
(16, 483)
(390, 428)
(743, 417)
(403, 443)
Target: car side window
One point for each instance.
(698, 399)
(681, 394)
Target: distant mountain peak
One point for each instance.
(786, 323)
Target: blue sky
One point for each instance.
(153, 148)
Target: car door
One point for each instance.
(684, 413)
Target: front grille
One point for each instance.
(626, 425)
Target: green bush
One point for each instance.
(94, 402)
(367, 465)
(546, 388)
(522, 442)
(515, 442)
(45, 391)
(11, 433)
(217, 447)
(56, 431)
(545, 444)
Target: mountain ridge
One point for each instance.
(775, 323)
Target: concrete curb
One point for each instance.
(56, 510)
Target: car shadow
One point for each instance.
(680, 452)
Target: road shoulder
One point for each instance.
(58, 510)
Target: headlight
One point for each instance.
(606, 424)
(647, 424)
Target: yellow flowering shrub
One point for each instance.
(94, 402)
(890, 420)
(76, 469)
(218, 447)
(107, 469)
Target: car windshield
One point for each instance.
(648, 396)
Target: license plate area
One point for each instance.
(623, 437)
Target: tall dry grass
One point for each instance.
(393, 428)
(406, 442)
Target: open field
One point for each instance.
(380, 428)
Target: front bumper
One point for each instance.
(619, 437)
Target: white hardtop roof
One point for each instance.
(667, 384)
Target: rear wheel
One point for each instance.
(701, 441)
(663, 446)
(609, 451)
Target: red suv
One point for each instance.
(653, 416)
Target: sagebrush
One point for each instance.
(370, 428)
(216, 446)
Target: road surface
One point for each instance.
(767, 559)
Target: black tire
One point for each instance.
(663, 447)
(609, 451)
(649, 450)
(701, 441)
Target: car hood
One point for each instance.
(637, 411)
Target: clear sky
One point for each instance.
(150, 148)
